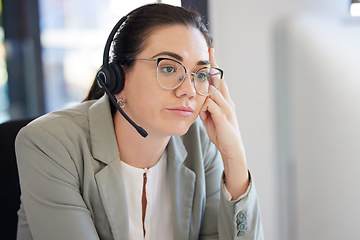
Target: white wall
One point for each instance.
(244, 33)
(323, 57)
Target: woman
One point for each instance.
(86, 173)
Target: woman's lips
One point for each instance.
(182, 111)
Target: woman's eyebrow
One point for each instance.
(179, 58)
(170, 54)
(204, 62)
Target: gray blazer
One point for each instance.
(72, 188)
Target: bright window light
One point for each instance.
(172, 2)
(122, 7)
(355, 9)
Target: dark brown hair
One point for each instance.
(132, 34)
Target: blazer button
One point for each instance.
(241, 222)
(241, 215)
(241, 227)
(240, 233)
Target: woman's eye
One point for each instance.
(201, 76)
(168, 69)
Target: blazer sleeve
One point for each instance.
(50, 187)
(224, 219)
(240, 219)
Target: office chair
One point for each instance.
(9, 178)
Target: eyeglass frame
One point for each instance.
(158, 60)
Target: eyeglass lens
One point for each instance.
(170, 75)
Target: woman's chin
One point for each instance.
(179, 130)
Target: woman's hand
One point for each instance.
(219, 118)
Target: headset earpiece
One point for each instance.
(113, 77)
(104, 75)
(119, 77)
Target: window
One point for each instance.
(3, 80)
(4, 100)
(73, 36)
(355, 8)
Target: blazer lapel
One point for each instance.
(112, 192)
(109, 180)
(182, 184)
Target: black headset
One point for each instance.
(111, 77)
(111, 74)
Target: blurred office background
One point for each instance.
(293, 69)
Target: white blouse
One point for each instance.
(158, 215)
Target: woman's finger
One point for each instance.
(224, 104)
(211, 116)
(222, 87)
(212, 57)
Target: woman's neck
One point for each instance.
(134, 149)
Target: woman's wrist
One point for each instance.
(236, 176)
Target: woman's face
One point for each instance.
(157, 110)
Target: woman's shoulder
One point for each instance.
(69, 121)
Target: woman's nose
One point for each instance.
(187, 87)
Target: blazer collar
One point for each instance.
(182, 185)
(112, 192)
(109, 180)
(176, 149)
(102, 134)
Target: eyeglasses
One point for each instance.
(171, 74)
